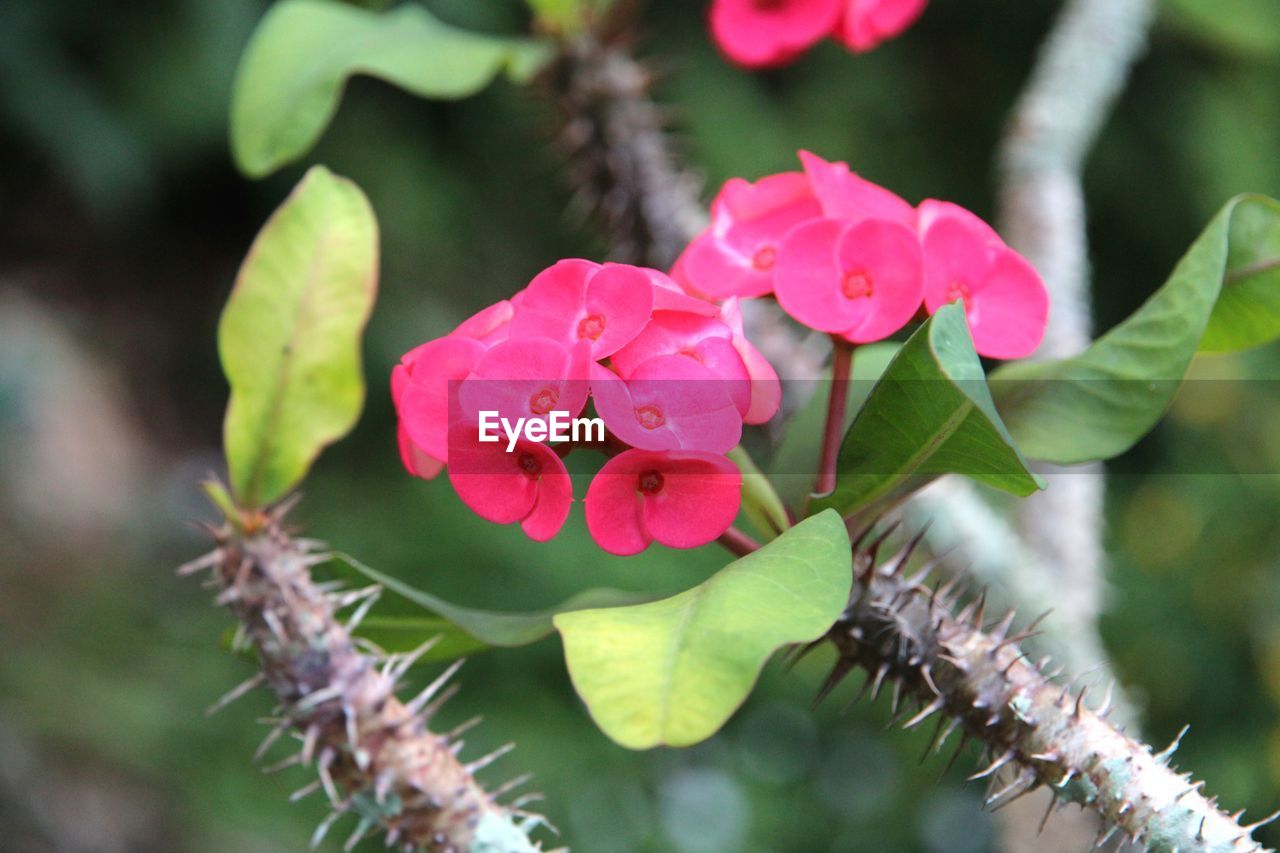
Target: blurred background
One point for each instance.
(122, 223)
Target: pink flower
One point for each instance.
(1004, 298)
(529, 485)
(678, 498)
(577, 300)
(713, 344)
(862, 281)
(489, 325)
(844, 195)
(762, 33)
(735, 255)
(867, 23)
(766, 390)
(526, 378)
(422, 388)
(668, 403)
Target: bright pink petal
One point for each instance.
(1009, 312)
(957, 259)
(619, 299)
(679, 498)
(553, 303)
(433, 371)
(669, 296)
(529, 485)
(416, 462)
(808, 279)
(698, 500)
(527, 377)
(867, 23)
(888, 254)
(756, 34)
(670, 402)
(736, 254)
(845, 195)
(932, 211)
(613, 508)
(766, 390)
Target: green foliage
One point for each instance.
(1249, 27)
(289, 338)
(294, 68)
(463, 630)
(760, 502)
(673, 671)
(1223, 296)
(930, 413)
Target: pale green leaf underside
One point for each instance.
(673, 671)
(289, 337)
(1223, 296)
(291, 76)
(930, 413)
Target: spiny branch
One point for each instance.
(975, 678)
(374, 755)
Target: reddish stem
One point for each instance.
(841, 366)
(738, 542)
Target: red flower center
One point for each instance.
(650, 416)
(590, 328)
(649, 482)
(764, 257)
(856, 285)
(529, 465)
(957, 290)
(544, 401)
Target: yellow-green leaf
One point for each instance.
(673, 671)
(290, 335)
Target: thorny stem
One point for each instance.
(837, 406)
(374, 755)
(1038, 732)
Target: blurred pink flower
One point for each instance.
(867, 23)
(527, 378)
(681, 499)
(764, 33)
(422, 387)
(1004, 298)
(670, 402)
(842, 194)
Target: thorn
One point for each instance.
(294, 758)
(929, 710)
(1004, 759)
(309, 743)
(362, 829)
(323, 829)
(326, 778)
(1080, 702)
(270, 739)
(481, 763)
(273, 623)
(797, 652)
(395, 671)
(879, 681)
(508, 787)
(1001, 629)
(436, 704)
(305, 791)
(1200, 831)
(1105, 707)
(199, 564)
(1266, 820)
(981, 614)
(1026, 781)
(959, 749)
(458, 730)
(235, 693)
(837, 674)
(1053, 802)
(1104, 834)
(434, 687)
(318, 697)
(370, 599)
(952, 724)
(897, 697)
(1163, 756)
(927, 674)
(933, 741)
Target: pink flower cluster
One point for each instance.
(845, 256)
(764, 33)
(671, 375)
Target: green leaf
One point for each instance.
(1223, 296)
(673, 671)
(465, 627)
(295, 66)
(930, 413)
(289, 337)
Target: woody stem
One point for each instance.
(841, 366)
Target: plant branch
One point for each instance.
(374, 755)
(1037, 732)
(738, 542)
(837, 407)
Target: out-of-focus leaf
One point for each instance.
(759, 501)
(467, 628)
(930, 413)
(290, 335)
(1223, 296)
(673, 671)
(293, 71)
(1250, 27)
